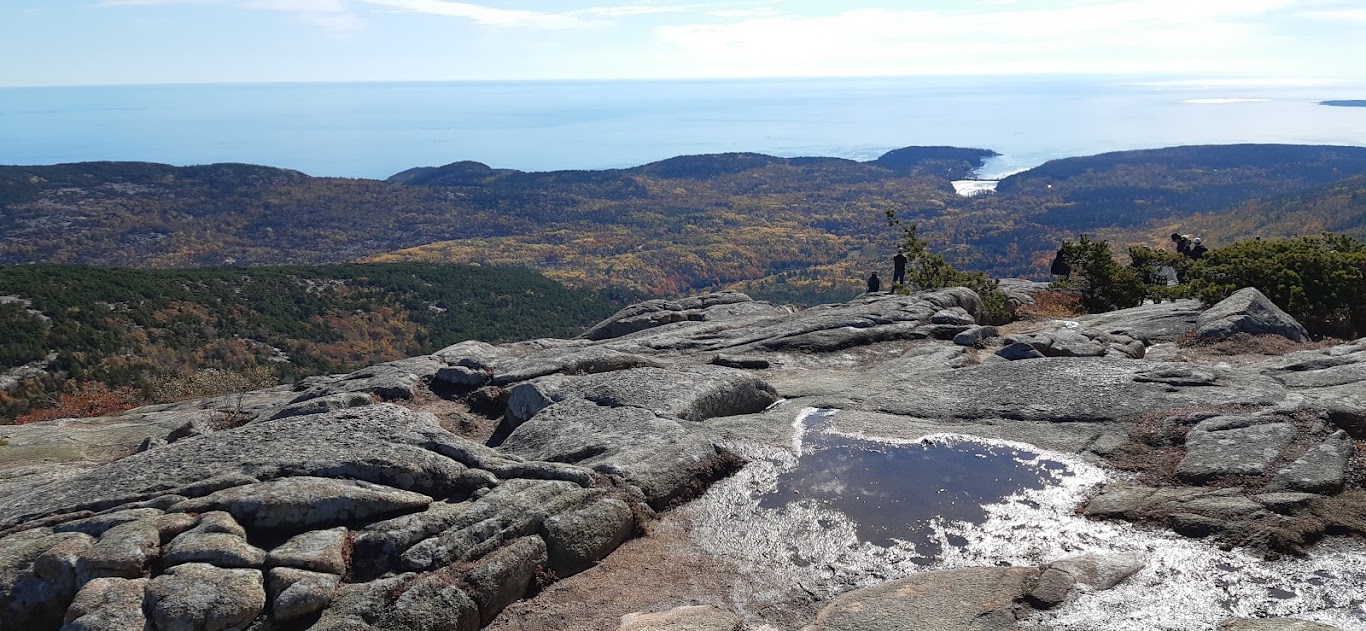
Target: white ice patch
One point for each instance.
(969, 188)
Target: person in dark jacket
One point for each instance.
(899, 268)
(874, 283)
(1183, 243)
(1060, 266)
(1197, 249)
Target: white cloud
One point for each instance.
(329, 14)
(480, 14)
(1114, 36)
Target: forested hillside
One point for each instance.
(150, 335)
(791, 229)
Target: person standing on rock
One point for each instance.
(899, 268)
(874, 283)
(1060, 267)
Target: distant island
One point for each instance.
(1347, 103)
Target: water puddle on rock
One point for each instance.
(897, 492)
(835, 512)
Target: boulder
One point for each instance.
(201, 597)
(1230, 446)
(517, 508)
(654, 313)
(578, 539)
(318, 551)
(688, 618)
(1248, 311)
(215, 548)
(1101, 571)
(108, 604)
(1150, 324)
(692, 393)
(386, 381)
(125, 551)
(296, 593)
(431, 603)
(661, 456)
(970, 599)
(1322, 469)
(503, 576)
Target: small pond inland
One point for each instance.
(896, 490)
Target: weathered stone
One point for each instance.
(201, 597)
(172, 524)
(654, 313)
(384, 444)
(1052, 588)
(1197, 526)
(1151, 324)
(1322, 469)
(215, 548)
(576, 540)
(693, 394)
(108, 604)
(502, 577)
(1214, 450)
(1019, 350)
(37, 579)
(388, 382)
(975, 335)
(319, 551)
(516, 508)
(323, 404)
(1284, 503)
(1101, 571)
(125, 551)
(661, 456)
(378, 545)
(1248, 311)
(97, 525)
(971, 599)
(1221, 507)
(307, 503)
(688, 618)
(431, 603)
(296, 593)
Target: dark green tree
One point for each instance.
(1099, 282)
(927, 270)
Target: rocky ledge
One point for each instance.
(436, 492)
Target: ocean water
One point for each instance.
(374, 130)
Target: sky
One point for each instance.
(103, 42)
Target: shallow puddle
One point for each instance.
(835, 511)
(897, 492)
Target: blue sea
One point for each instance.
(373, 130)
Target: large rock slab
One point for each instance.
(1151, 324)
(691, 393)
(972, 599)
(655, 313)
(1058, 389)
(303, 503)
(296, 593)
(1323, 469)
(1248, 311)
(1232, 445)
(383, 444)
(661, 456)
